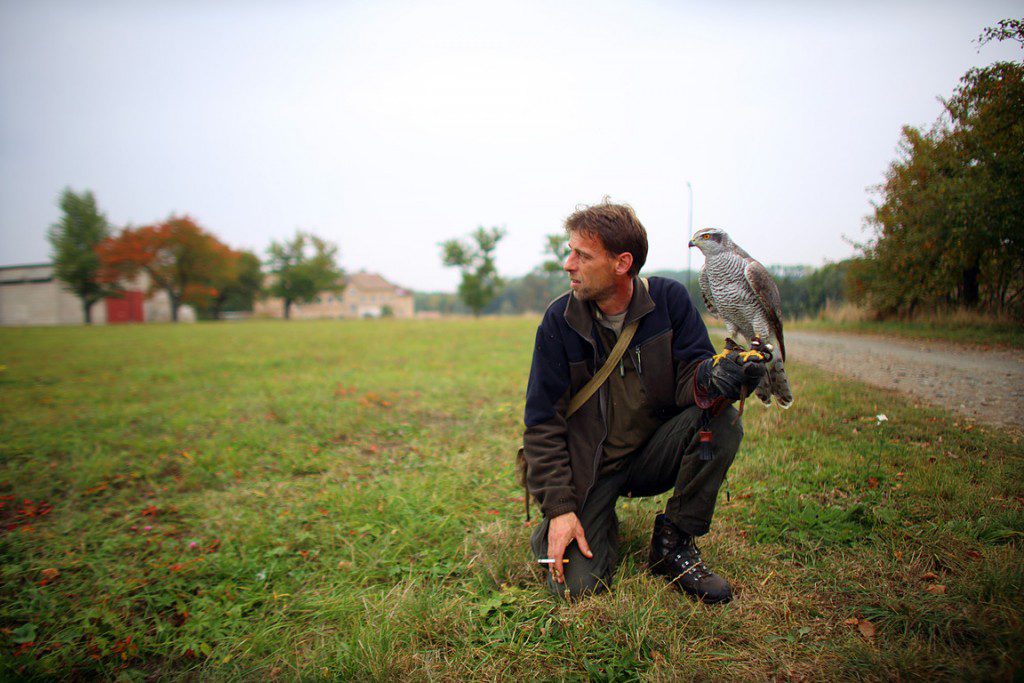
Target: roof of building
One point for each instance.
(30, 272)
(365, 281)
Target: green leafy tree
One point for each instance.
(475, 259)
(234, 287)
(557, 247)
(949, 226)
(301, 268)
(1005, 29)
(445, 303)
(535, 290)
(74, 239)
(988, 138)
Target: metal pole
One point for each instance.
(689, 282)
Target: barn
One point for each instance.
(31, 295)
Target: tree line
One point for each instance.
(949, 221)
(805, 291)
(193, 267)
(188, 263)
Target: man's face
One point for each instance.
(592, 270)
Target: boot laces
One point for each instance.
(692, 564)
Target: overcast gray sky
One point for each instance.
(389, 126)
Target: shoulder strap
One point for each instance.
(584, 394)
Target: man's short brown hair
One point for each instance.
(616, 225)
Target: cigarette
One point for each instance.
(548, 560)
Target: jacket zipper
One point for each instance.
(601, 398)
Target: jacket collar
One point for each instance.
(579, 317)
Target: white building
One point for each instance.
(366, 295)
(32, 295)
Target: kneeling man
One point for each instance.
(661, 421)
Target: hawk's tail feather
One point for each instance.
(774, 386)
(779, 383)
(764, 391)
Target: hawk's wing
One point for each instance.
(705, 293)
(767, 292)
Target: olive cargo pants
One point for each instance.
(670, 460)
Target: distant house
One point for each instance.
(32, 295)
(366, 295)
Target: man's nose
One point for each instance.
(570, 263)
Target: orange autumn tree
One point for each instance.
(179, 257)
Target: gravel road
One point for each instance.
(984, 385)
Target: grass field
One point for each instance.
(962, 329)
(336, 500)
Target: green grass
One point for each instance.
(337, 500)
(974, 332)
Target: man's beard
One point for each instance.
(587, 293)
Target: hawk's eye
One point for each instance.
(705, 237)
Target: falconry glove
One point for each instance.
(726, 378)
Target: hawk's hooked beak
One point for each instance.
(690, 244)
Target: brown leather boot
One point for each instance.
(676, 557)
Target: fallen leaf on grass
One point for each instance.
(866, 628)
(935, 589)
(374, 399)
(929, 576)
(872, 483)
(344, 391)
(852, 621)
(973, 554)
(30, 508)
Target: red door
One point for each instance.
(127, 309)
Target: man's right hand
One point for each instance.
(563, 530)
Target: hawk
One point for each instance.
(740, 291)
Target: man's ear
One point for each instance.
(623, 262)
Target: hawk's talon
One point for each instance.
(747, 355)
(716, 358)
